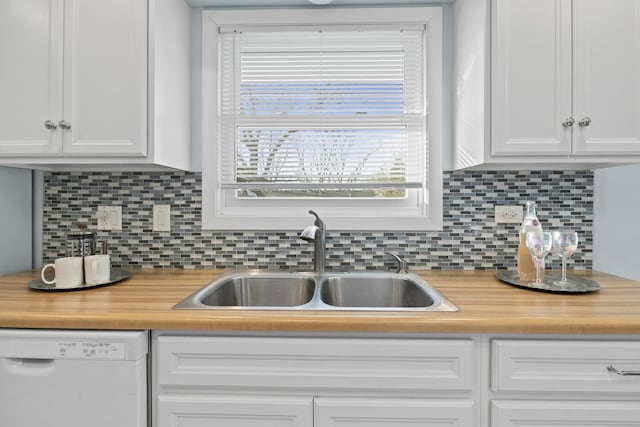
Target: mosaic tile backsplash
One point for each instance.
(470, 238)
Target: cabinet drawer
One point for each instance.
(505, 413)
(315, 363)
(333, 412)
(564, 366)
(232, 411)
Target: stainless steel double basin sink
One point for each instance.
(265, 290)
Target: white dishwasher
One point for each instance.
(60, 378)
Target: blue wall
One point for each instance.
(616, 224)
(15, 220)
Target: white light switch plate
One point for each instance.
(161, 217)
(109, 218)
(508, 214)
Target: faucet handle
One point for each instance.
(318, 221)
(403, 267)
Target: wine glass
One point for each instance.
(565, 244)
(539, 244)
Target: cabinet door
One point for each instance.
(531, 77)
(105, 77)
(607, 77)
(337, 412)
(234, 411)
(30, 76)
(564, 414)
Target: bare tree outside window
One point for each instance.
(321, 157)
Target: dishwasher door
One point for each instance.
(73, 378)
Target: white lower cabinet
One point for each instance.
(313, 382)
(288, 411)
(430, 380)
(235, 411)
(564, 414)
(337, 412)
(564, 383)
(570, 366)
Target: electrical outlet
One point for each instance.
(161, 217)
(508, 214)
(109, 218)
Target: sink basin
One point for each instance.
(264, 290)
(387, 292)
(256, 291)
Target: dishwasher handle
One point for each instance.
(25, 366)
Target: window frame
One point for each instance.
(220, 212)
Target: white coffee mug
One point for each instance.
(97, 269)
(68, 272)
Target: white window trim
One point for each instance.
(217, 214)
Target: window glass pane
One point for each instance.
(324, 113)
(336, 161)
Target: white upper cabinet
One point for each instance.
(560, 83)
(89, 83)
(30, 76)
(105, 79)
(531, 77)
(606, 77)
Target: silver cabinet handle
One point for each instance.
(586, 121)
(50, 125)
(569, 122)
(64, 124)
(610, 368)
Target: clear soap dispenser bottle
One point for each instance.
(526, 263)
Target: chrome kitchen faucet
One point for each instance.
(316, 233)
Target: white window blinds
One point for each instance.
(323, 108)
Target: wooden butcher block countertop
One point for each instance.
(146, 300)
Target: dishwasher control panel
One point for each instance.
(65, 349)
(91, 350)
(73, 344)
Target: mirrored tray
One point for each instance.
(551, 283)
(117, 275)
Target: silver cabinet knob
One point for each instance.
(569, 122)
(586, 121)
(50, 125)
(64, 124)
